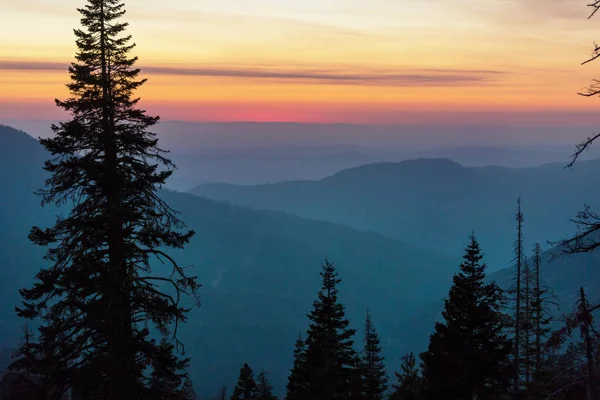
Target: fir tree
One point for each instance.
(188, 388)
(99, 297)
(357, 389)
(297, 380)
(375, 376)
(329, 365)
(26, 353)
(246, 388)
(264, 390)
(468, 354)
(409, 384)
(167, 374)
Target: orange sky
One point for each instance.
(318, 60)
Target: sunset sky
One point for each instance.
(365, 61)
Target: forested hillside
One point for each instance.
(433, 202)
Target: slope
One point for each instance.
(259, 270)
(434, 203)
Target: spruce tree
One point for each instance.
(297, 378)
(188, 388)
(327, 369)
(99, 298)
(246, 387)
(24, 357)
(167, 375)
(264, 390)
(409, 384)
(468, 353)
(375, 376)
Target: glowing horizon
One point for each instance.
(380, 61)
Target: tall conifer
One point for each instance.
(468, 354)
(375, 376)
(297, 379)
(99, 297)
(330, 358)
(409, 383)
(264, 389)
(325, 366)
(519, 257)
(246, 387)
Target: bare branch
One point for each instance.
(581, 147)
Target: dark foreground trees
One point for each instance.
(246, 388)
(375, 377)
(99, 298)
(409, 384)
(468, 354)
(325, 365)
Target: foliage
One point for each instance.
(468, 354)
(99, 299)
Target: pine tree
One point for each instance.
(519, 257)
(329, 363)
(409, 385)
(98, 299)
(297, 380)
(188, 388)
(40, 360)
(264, 390)
(468, 354)
(375, 376)
(167, 377)
(24, 357)
(246, 387)
(357, 372)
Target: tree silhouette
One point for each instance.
(468, 354)
(409, 385)
(587, 221)
(99, 298)
(188, 388)
(518, 322)
(246, 387)
(264, 389)
(297, 380)
(326, 365)
(375, 376)
(582, 319)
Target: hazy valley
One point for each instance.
(259, 268)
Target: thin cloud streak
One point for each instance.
(418, 77)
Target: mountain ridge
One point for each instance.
(434, 201)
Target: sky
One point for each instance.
(351, 61)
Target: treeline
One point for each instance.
(489, 344)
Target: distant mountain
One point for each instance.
(260, 271)
(434, 203)
(260, 165)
